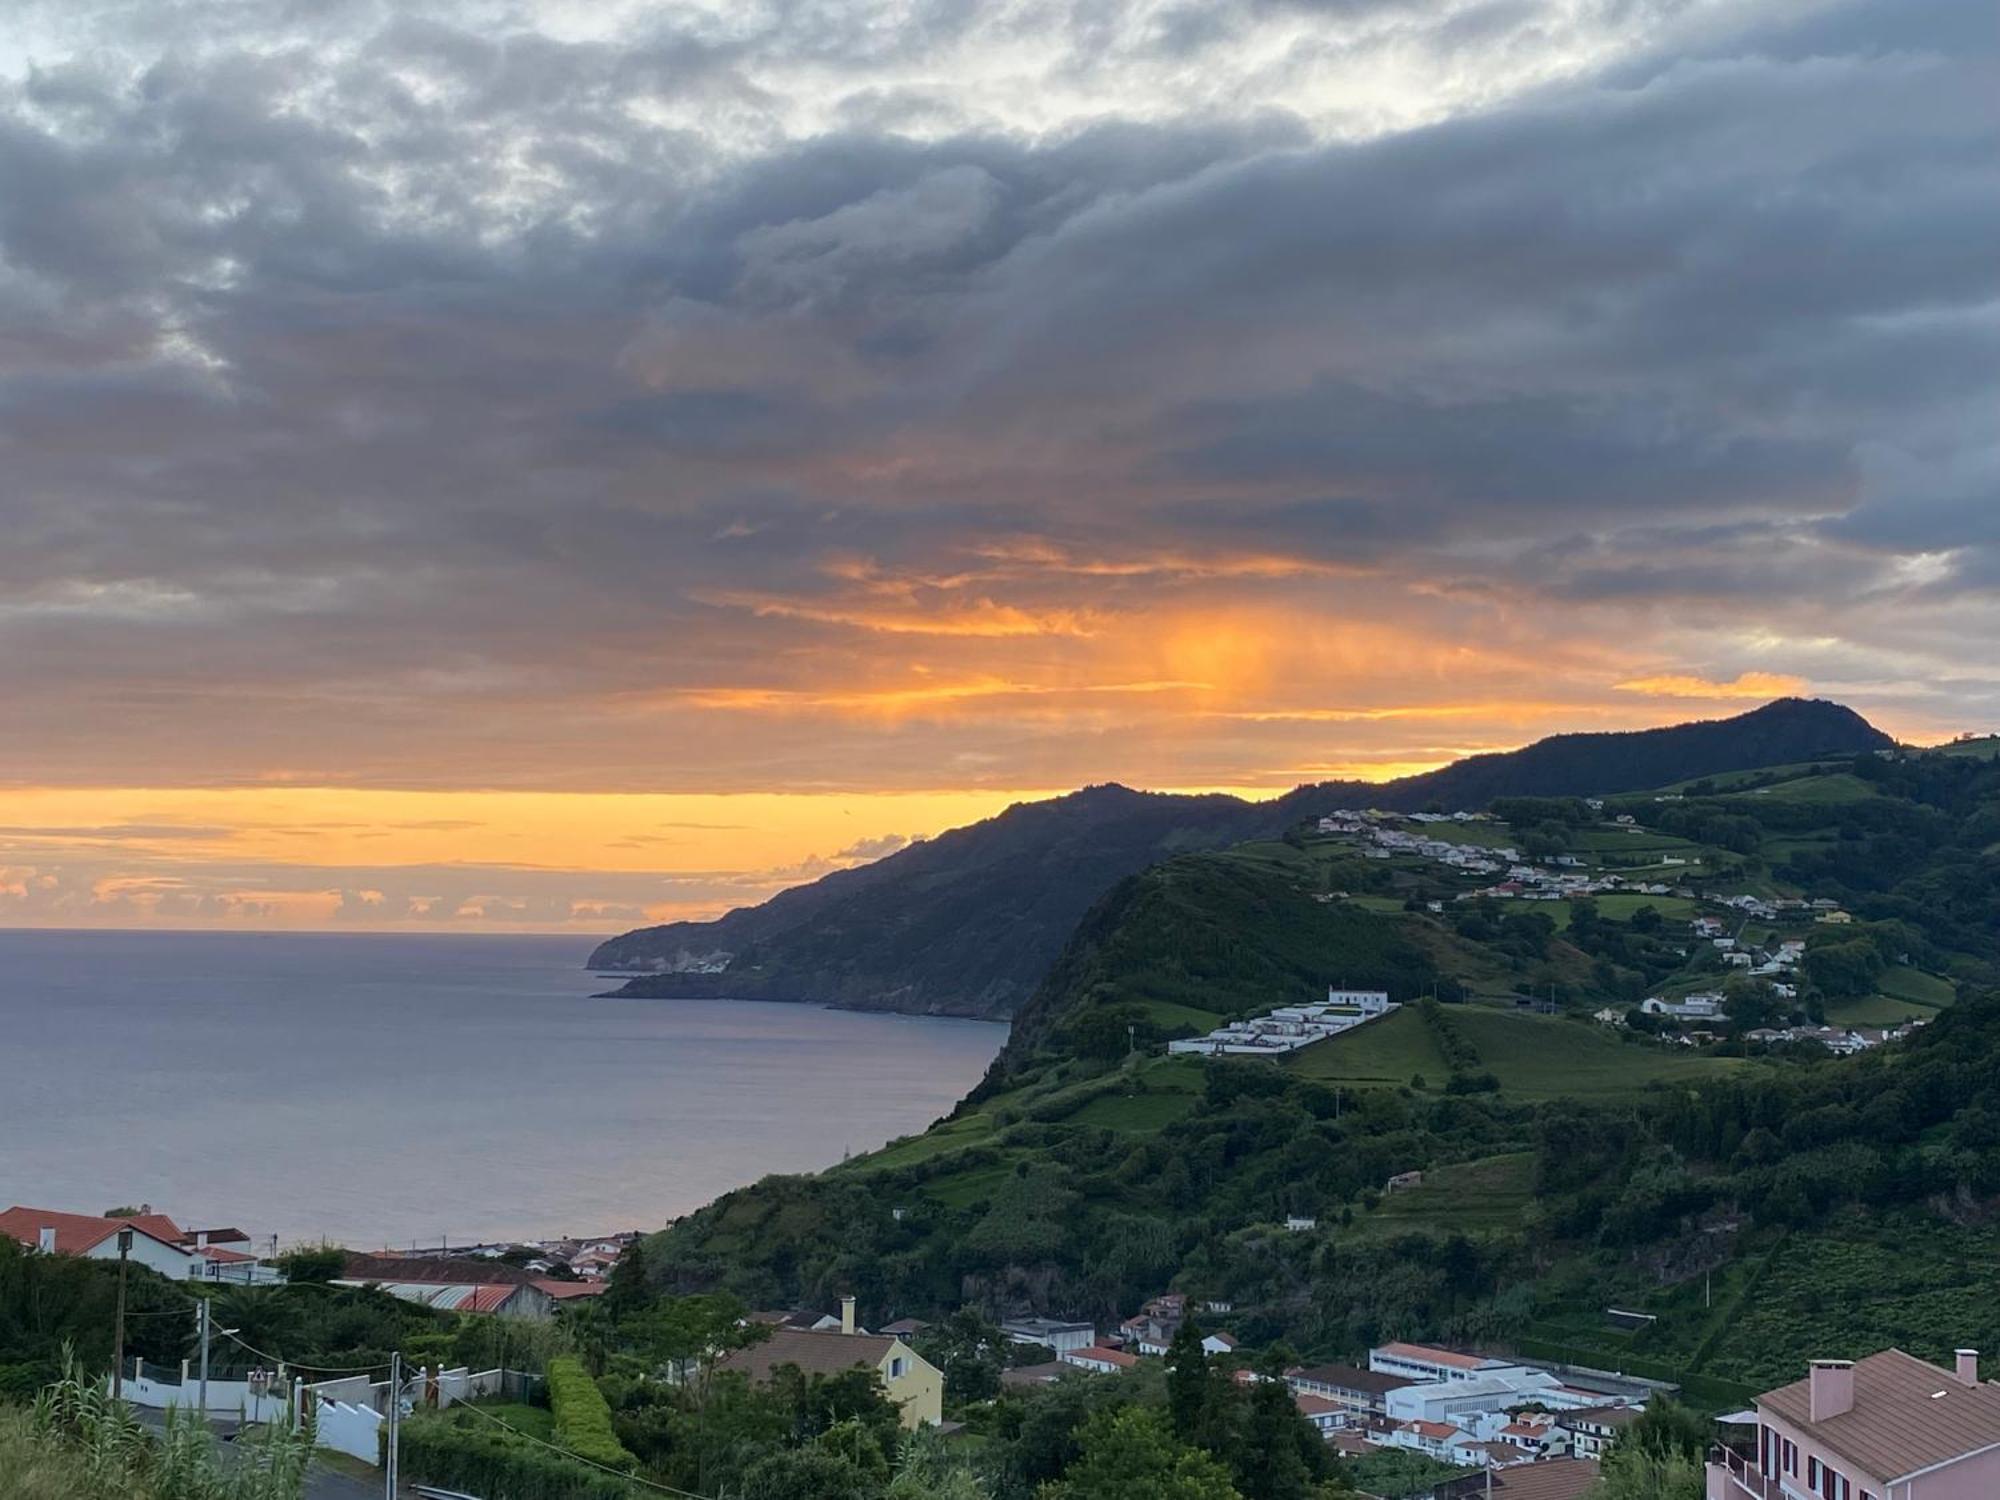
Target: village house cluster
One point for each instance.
(1561, 877)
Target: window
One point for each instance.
(1789, 1452)
(896, 1367)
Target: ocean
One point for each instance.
(398, 1090)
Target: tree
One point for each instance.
(1666, 1427)
(1277, 1455)
(626, 1292)
(1189, 1390)
(1128, 1453)
(1632, 1473)
(807, 1474)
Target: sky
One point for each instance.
(504, 466)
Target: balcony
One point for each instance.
(1731, 1476)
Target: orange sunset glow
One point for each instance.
(436, 503)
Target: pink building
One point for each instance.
(1889, 1427)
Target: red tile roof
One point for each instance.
(444, 1272)
(564, 1291)
(1429, 1355)
(79, 1234)
(1546, 1479)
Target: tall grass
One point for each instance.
(79, 1444)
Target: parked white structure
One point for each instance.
(1290, 1027)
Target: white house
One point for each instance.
(155, 1238)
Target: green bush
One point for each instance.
(464, 1453)
(583, 1417)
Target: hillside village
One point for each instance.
(1339, 1127)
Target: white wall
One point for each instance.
(350, 1429)
(225, 1397)
(165, 1259)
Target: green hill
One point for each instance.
(1764, 1206)
(968, 923)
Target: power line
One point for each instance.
(665, 1489)
(293, 1365)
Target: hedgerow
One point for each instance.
(583, 1418)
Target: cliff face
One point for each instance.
(968, 923)
(963, 924)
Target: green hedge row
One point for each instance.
(583, 1417)
(454, 1454)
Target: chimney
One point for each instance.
(45, 1239)
(1832, 1388)
(847, 1314)
(1968, 1367)
(201, 1239)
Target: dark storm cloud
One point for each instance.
(365, 394)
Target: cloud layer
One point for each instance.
(856, 397)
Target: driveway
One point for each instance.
(333, 1476)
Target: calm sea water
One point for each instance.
(385, 1090)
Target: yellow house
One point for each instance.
(910, 1380)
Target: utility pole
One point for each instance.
(395, 1421)
(118, 1338)
(201, 1314)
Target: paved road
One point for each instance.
(329, 1479)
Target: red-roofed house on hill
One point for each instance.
(156, 1239)
(1888, 1427)
(1098, 1360)
(469, 1286)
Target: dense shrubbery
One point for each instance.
(583, 1419)
(464, 1452)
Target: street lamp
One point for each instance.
(118, 1365)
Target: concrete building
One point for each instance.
(1425, 1362)
(1054, 1333)
(1459, 1401)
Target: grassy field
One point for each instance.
(1134, 1112)
(1488, 1195)
(1836, 788)
(1387, 905)
(963, 1189)
(1169, 1014)
(1874, 1010)
(1546, 1057)
(1906, 994)
(1619, 906)
(969, 1130)
(1534, 1057)
(1987, 748)
(1917, 987)
(1388, 1051)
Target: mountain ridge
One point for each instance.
(969, 922)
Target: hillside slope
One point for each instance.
(969, 922)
